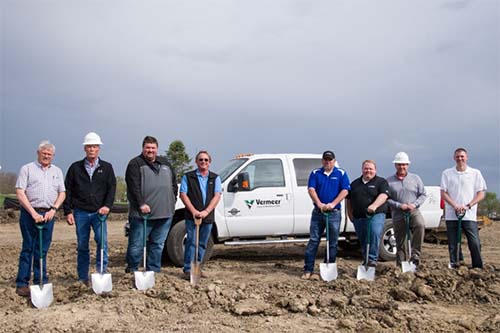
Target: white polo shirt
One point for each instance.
(462, 187)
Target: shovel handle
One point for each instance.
(102, 219)
(197, 220)
(145, 219)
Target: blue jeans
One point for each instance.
(377, 227)
(84, 220)
(30, 253)
(315, 231)
(190, 245)
(472, 233)
(156, 234)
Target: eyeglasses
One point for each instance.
(203, 160)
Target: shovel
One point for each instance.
(196, 266)
(328, 271)
(41, 295)
(408, 266)
(145, 279)
(460, 216)
(365, 272)
(101, 282)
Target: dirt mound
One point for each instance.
(258, 289)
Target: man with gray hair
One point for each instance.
(40, 191)
(90, 193)
(406, 195)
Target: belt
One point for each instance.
(42, 209)
(333, 210)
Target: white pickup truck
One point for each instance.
(265, 200)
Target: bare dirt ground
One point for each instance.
(256, 289)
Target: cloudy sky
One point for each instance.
(364, 78)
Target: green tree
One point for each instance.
(177, 156)
(490, 206)
(121, 190)
(8, 182)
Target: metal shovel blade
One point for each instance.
(328, 272)
(366, 273)
(42, 298)
(408, 266)
(195, 275)
(144, 280)
(101, 283)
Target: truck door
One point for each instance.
(266, 207)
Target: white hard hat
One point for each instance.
(401, 158)
(92, 139)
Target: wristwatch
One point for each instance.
(468, 206)
(53, 207)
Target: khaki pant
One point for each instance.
(417, 231)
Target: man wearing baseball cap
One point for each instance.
(327, 187)
(90, 191)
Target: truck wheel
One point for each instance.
(175, 245)
(387, 249)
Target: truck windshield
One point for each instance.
(230, 168)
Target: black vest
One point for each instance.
(194, 194)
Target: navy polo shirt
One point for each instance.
(328, 187)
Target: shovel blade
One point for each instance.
(101, 283)
(144, 280)
(407, 266)
(42, 298)
(195, 275)
(366, 273)
(328, 272)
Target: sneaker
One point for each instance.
(129, 270)
(187, 276)
(314, 277)
(415, 261)
(306, 276)
(372, 263)
(86, 283)
(23, 291)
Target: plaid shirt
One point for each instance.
(41, 186)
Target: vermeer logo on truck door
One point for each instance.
(263, 203)
(249, 203)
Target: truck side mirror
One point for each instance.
(243, 181)
(233, 185)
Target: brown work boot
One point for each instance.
(314, 277)
(23, 291)
(187, 276)
(306, 276)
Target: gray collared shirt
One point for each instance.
(42, 186)
(409, 190)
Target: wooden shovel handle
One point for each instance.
(197, 220)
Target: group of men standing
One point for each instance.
(369, 197)
(87, 195)
(88, 191)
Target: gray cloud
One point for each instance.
(364, 79)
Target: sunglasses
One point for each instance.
(203, 160)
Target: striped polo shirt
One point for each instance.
(41, 186)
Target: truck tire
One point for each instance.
(387, 248)
(174, 245)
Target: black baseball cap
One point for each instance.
(328, 155)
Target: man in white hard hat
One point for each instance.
(406, 195)
(90, 192)
(462, 188)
